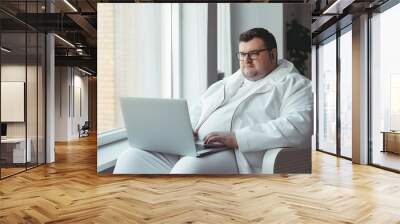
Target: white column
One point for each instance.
(50, 99)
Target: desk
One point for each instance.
(15, 148)
(391, 141)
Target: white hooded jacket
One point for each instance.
(277, 113)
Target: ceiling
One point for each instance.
(74, 22)
(331, 15)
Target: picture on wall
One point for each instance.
(12, 101)
(207, 88)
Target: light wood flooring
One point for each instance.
(10, 171)
(70, 191)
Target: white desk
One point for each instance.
(18, 150)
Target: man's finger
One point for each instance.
(209, 136)
(217, 138)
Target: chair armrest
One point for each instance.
(287, 160)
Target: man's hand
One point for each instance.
(195, 135)
(226, 138)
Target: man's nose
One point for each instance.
(247, 59)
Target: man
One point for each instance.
(266, 104)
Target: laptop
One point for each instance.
(162, 125)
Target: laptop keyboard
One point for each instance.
(199, 147)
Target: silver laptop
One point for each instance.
(162, 125)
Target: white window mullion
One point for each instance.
(176, 50)
(224, 38)
(166, 49)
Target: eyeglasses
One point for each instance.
(253, 55)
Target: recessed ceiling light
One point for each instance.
(337, 7)
(64, 40)
(70, 5)
(5, 49)
(84, 71)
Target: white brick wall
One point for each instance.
(105, 67)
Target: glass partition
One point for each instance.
(23, 91)
(13, 104)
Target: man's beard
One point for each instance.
(250, 72)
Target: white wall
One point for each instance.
(69, 82)
(251, 15)
(61, 103)
(106, 66)
(79, 117)
(12, 73)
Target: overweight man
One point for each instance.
(266, 104)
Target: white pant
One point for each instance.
(136, 161)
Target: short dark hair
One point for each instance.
(267, 37)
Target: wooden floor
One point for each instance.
(10, 171)
(70, 191)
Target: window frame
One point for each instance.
(333, 37)
(381, 9)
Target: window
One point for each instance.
(346, 94)
(327, 96)
(330, 133)
(394, 101)
(385, 87)
(147, 55)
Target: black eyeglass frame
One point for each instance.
(253, 55)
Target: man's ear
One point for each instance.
(274, 54)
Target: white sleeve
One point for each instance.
(293, 128)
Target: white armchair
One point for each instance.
(287, 160)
